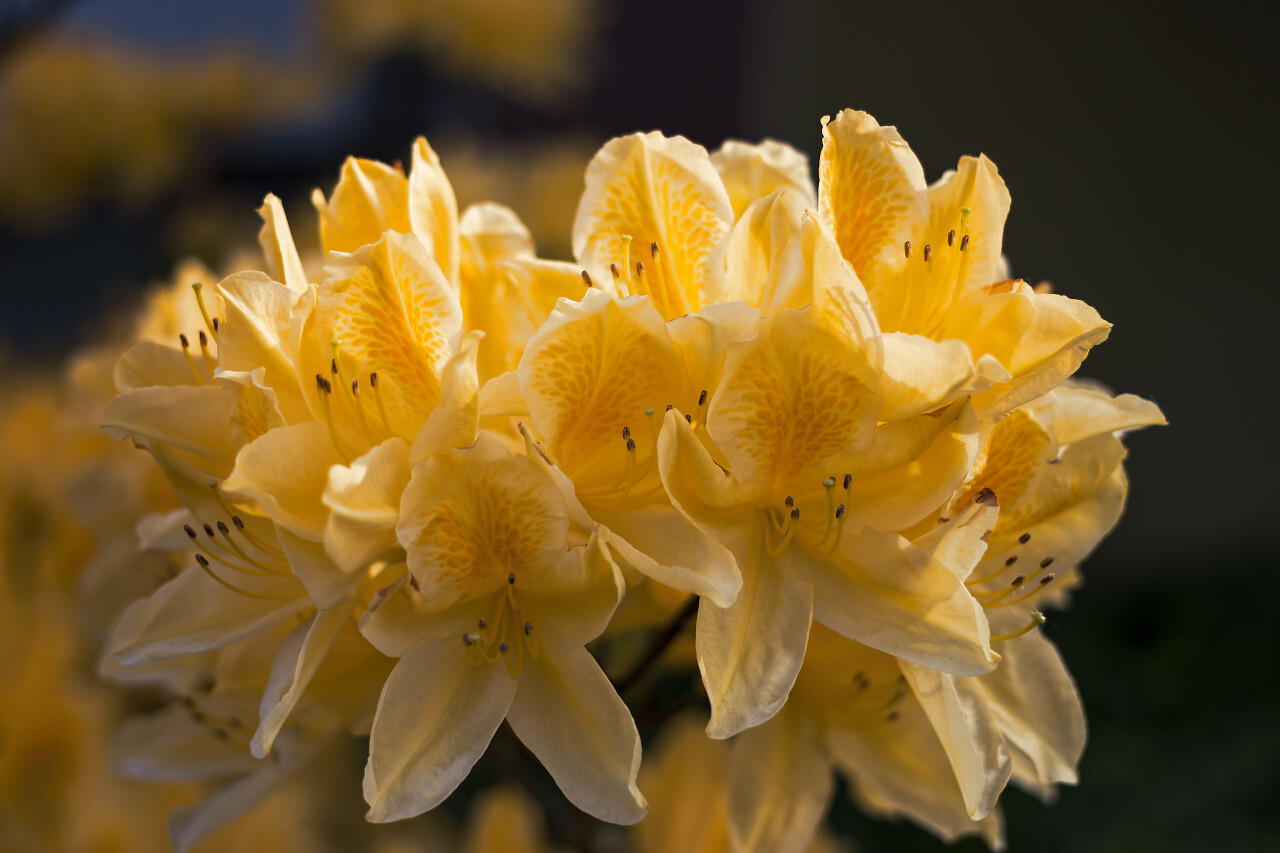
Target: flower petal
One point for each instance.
(364, 504)
(276, 240)
(921, 374)
(286, 470)
(572, 719)
(370, 198)
(433, 209)
(436, 716)
(752, 171)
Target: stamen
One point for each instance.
(928, 250)
(964, 242)
(788, 532)
(326, 390)
(951, 237)
(262, 546)
(906, 250)
(191, 362)
(203, 563)
(618, 284)
(1024, 539)
(382, 409)
(211, 324)
(829, 485)
(586, 279)
(1037, 619)
(359, 405)
(702, 398)
(209, 361)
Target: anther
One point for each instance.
(1017, 582)
(631, 445)
(190, 531)
(484, 623)
(215, 325)
(702, 398)
(795, 513)
(208, 531)
(1047, 578)
(1024, 539)
(964, 242)
(202, 560)
(503, 647)
(204, 339)
(626, 432)
(848, 479)
(373, 379)
(1009, 562)
(1046, 562)
(906, 249)
(186, 344)
(670, 406)
(528, 628)
(688, 419)
(928, 250)
(790, 501)
(586, 279)
(222, 528)
(511, 578)
(355, 386)
(893, 717)
(840, 511)
(613, 270)
(235, 519)
(333, 366)
(951, 237)
(986, 497)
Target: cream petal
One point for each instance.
(394, 622)
(364, 504)
(1035, 702)
(286, 471)
(1081, 412)
(190, 826)
(655, 189)
(751, 171)
(838, 292)
(296, 662)
(433, 209)
(696, 484)
(455, 422)
(886, 593)
(750, 653)
(492, 302)
(254, 407)
(171, 745)
(193, 613)
(500, 397)
(369, 199)
(899, 768)
(780, 784)
(276, 240)
(326, 584)
(969, 732)
(960, 543)
(568, 715)
(188, 418)
(662, 543)
(148, 363)
(435, 719)
(921, 374)
(703, 338)
(589, 585)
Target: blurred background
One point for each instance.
(1136, 144)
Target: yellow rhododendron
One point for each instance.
(433, 482)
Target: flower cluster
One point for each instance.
(437, 482)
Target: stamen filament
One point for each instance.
(191, 362)
(325, 390)
(198, 287)
(204, 564)
(209, 361)
(1037, 619)
(382, 409)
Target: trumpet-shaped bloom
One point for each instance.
(791, 471)
(505, 592)
(929, 257)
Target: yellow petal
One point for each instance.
(433, 209)
(661, 190)
(969, 732)
(871, 192)
(1081, 411)
(886, 593)
(491, 236)
(187, 418)
(1035, 701)
(589, 587)
(194, 613)
(255, 332)
(592, 369)
(838, 292)
(327, 585)
(899, 768)
(921, 374)
(395, 315)
(453, 423)
(976, 185)
(764, 262)
(437, 715)
(780, 783)
(470, 517)
(254, 407)
(276, 240)
(364, 504)
(286, 471)
(569, 716)
(792, 399)
(149, 363)
(296, 663)
(750, 652)
(370, 198)
(752, 171)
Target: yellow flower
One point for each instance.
(507, 588)
(751, 172)
(595, 381)
(929, 257)
(790, 470)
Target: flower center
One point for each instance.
(506, 634)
